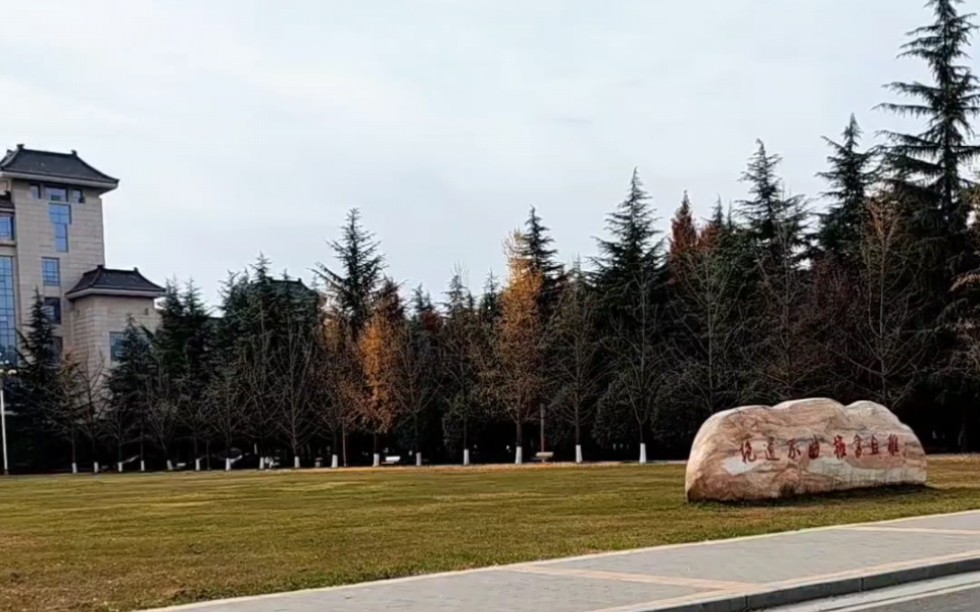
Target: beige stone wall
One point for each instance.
(35, 240)
(92, 318)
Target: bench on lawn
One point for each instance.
(391, 460)
(544, 457)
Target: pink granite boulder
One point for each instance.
(801, 447)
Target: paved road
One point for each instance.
(953, 594)
(658, 578)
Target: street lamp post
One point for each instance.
(4, 373)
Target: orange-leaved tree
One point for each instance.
(381, 351)
(516, 376)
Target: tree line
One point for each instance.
(622, 356)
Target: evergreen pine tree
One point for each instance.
(630, 256)
(353, 285)
(851, 176)
(40, 391)
(131, 386)
(629, 281)
(928, 166)
(775, 221)
(536, 248)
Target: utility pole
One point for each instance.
(4, 373)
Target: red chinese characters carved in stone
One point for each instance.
(748, 455)
(858, 446)
(874, 445)
(771, 449)
(893, 447)
(840, 448)
(814, 449)
(794, 451)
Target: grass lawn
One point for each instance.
(119, 542)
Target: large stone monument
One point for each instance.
(801, 447)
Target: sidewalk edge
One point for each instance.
(822, 590)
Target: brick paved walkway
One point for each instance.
(656, 578)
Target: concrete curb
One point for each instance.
(822, 590)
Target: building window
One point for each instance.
(116, 343)
(52, 309)
(76, 196)
(6, 227)
(56, 194)
(35, 191)
(61, 218)
(8, 312)
(51, 271)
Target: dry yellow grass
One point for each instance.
(119, 542)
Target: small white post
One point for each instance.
(95, 467)
(227, 464)
(197, 464)
(578, 453)
(334, 461)
(74, 467)
(418, 459)
(296, 462)
(466, 456)
(519, 456)
(142, 465)
(643, 452)
(377, 460)
(119, 467)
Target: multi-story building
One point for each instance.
(52, 245)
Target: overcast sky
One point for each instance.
(240, 126)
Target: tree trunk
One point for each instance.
(74, 454)
(343, 442)
(519, 451)
(376, 459)
(542, 428)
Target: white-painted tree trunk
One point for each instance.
(519, 456)
(142, 465)
(334, 461)
(466, 456)
(119, 467)
(170, 465)
(197, 464)
(95, 467)
(376, 462)
(227, 464)
(643, 452)
(74, 467)
(296, 463)
(578, 453)
(418, 459)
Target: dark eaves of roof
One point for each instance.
(69, 167)
(108, 281)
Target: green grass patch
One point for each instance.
(120, 542)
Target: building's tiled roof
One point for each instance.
(64, 166)
(106, 281)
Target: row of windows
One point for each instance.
(8, 313)
(57, 194)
